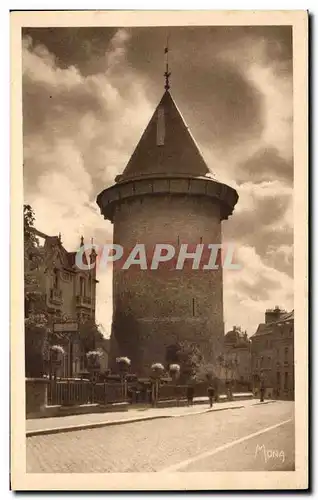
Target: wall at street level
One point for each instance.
(36, 397)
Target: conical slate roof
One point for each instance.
(166, 147)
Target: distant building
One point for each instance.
(70, 294)
(273, 353)
(237, 348)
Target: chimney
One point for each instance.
(272, 315)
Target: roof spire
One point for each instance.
(167, 74)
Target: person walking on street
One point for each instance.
(262, 387)
(211, 393)
(262, 393)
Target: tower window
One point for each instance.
(160, 127)
(193, 307)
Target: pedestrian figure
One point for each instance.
(211, 393)
(190, 394)
(228, 390)
(262, 393)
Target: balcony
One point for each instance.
(82, 301)
(56, 296)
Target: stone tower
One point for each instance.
(166, 194)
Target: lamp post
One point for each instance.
(262, 386)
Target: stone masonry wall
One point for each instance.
(156, 308)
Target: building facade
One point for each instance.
(237, 348)
(70, 296)
(273, 354)
(166, 195)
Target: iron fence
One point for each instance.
(80, 392)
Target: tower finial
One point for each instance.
(167, 74)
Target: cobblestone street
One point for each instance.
(198, 442)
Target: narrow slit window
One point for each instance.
(193, 307)
(161, 127)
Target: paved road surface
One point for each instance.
(258, 437)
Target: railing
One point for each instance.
(83, 301)
(108, 393)
(80, 392)
(167, 392)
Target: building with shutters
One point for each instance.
(273, 354)
(70, 295)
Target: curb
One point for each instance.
(96, 425)
(264, 402)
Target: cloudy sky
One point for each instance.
(88, 94)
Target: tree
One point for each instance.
(89, 335)
(34, 299)
(33, 266)
(187, 355)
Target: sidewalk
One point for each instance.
(88, 421)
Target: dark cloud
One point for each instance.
(262, 226)
(221, 106)
(265, 165)
(80, 47)
(265, 212)
(44, 103)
